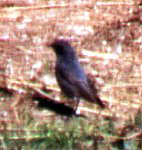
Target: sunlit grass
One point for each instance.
(25, 126)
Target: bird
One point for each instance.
(70, 75)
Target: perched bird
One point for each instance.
(72, 80)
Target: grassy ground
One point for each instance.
(108, 42)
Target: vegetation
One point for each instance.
(108, 42)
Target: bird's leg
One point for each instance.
(77, 100)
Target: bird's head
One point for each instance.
(59, 44)
(62, 47)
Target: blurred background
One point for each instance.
(107, 37)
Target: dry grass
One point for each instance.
(108, 42)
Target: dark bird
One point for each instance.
(72, 80)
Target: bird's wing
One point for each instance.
(72, 76)
(81, 87)
(73, 80)
(92, 94)
(88, 91)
